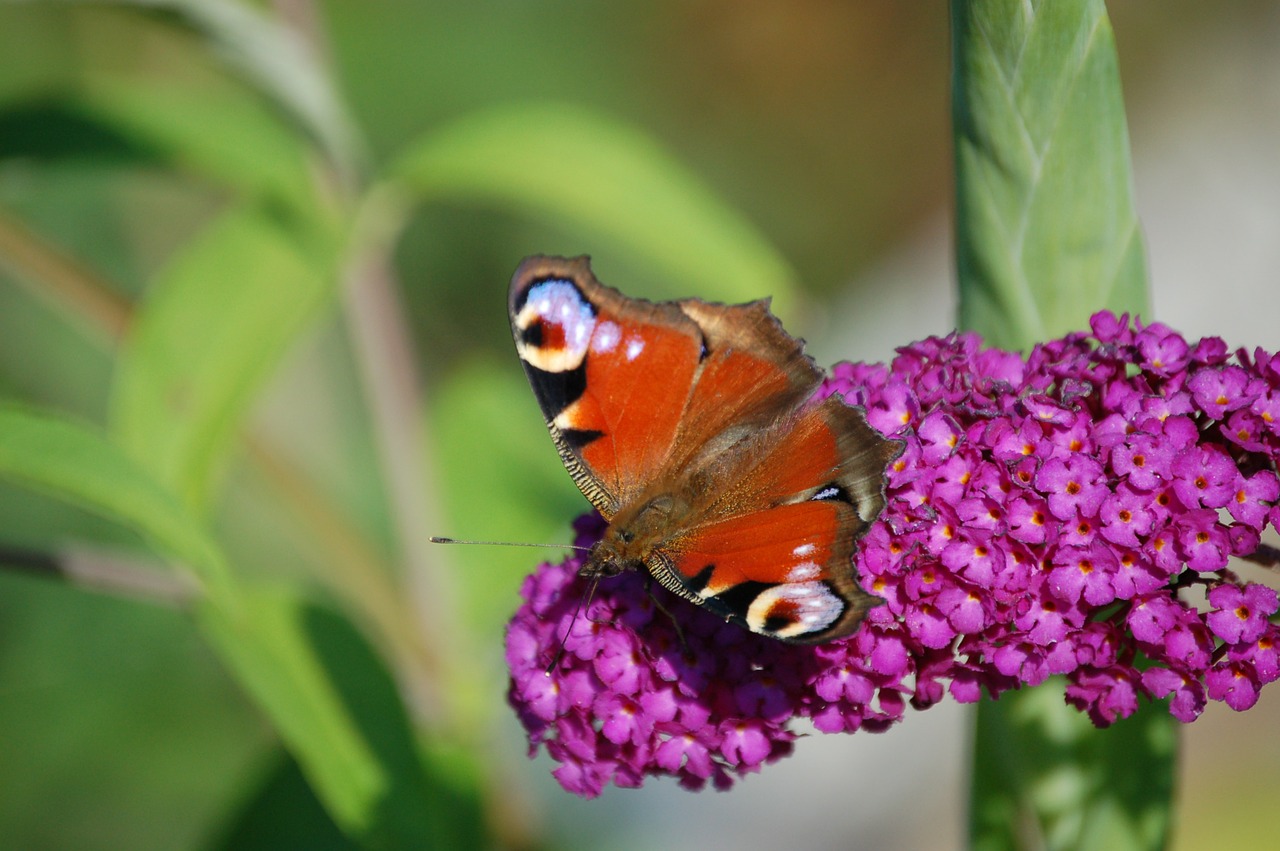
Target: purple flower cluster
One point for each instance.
(1068, 513)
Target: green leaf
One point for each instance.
(271, 58)
(119, 706)
(71, 462)
(325, 691)
(229, 140)
(339, 712)
(211, 331)
(1045, 777)
(588, 173)
(1046, 228)
(283, 813)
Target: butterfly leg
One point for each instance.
(675, 622)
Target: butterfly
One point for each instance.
(692, 427)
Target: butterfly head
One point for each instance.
(632, 536)
(612, 555)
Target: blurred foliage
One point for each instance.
(205, 205)
(198, 252)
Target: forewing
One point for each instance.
(752, 375)
(612, 374)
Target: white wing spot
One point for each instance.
(805, 571)
(606, 337)
(634, 347)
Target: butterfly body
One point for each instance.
(693, 429)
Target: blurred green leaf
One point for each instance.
(477, 444)
(591, 173)
(283, 813)
(120, 707)
(230, 141)
(1046, 229)
(54, 128)
(338, 710)
(324, 690)
(1045, 777)
(211, 331)
(72, 462)
(271, 58)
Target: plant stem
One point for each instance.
(101, 571)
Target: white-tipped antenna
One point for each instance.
(436, 539)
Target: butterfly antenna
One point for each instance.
(583, 602)
(435, 539)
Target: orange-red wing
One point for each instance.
(633, 390)
(785, 572)
(825, 451)
(638, 378)
(753, 375)
(612, 374)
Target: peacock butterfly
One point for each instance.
(693, 428)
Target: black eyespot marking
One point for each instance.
(740, 597)
(532, 336)
(698, 582)
(519, 298)
(778, 622)
(557, 390)
(577, 438)
(626, 536)
(832, 492)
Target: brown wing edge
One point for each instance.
(862, 475)
(753, 327)
(866, 456)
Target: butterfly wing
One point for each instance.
(630, 388)
(752, 375)
(705, 407)
(775, 551)
(782, 572)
